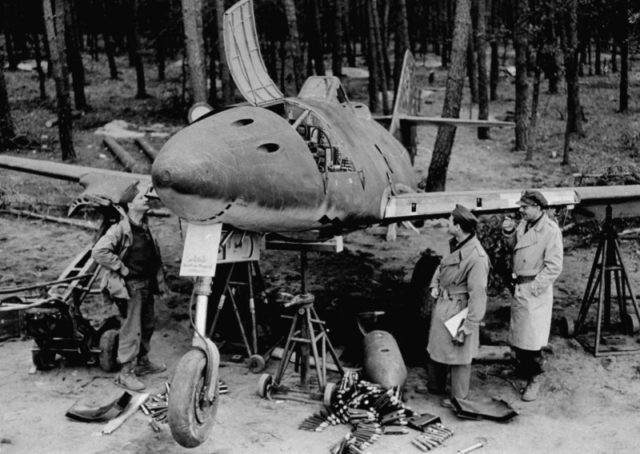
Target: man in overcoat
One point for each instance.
(459, 282)
(537, 262)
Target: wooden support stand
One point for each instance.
(607, 264)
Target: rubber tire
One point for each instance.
(190, 419)
(329, 390)
(256, 364)
(264, 385)
(43, 360)
(108, 356)
(567, 327)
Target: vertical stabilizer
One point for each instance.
(407, 94)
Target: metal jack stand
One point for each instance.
(256, 362)
(306, 331)
(607, 263)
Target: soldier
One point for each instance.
(133, 273)
(459, 282)
(537, 262)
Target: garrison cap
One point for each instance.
(128, 193)
(464, 218)
(533, 197)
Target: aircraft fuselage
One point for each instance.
(259, 169)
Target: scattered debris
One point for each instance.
(132, 407)
(118, 129)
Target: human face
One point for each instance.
(452, 229)
(139, 203)
(530, 212)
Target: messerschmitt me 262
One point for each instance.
(315, 162)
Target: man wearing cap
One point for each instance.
(537, 262)
(133, 273)
(460, 282)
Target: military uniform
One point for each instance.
(134, 293)
(537, 262)
(462, 280)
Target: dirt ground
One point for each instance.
(587, 404)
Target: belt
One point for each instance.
(523, 279)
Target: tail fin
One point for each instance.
(407, 94)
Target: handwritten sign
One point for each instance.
(200, 253)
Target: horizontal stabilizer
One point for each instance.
(449, 121)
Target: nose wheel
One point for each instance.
(191, 413)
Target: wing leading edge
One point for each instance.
(589, 201)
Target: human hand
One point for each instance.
(124, 271)
(435, 292)
(460, 337)
(536, 288)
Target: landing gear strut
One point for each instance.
(193, 400)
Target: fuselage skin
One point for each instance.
(248, 167)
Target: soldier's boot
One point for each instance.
(531, 391)
(127, 378)
(145, 367)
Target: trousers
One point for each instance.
(528, 362)
(138, 322)
(460, 378)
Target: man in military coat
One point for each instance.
(459, 282)
(537, 262)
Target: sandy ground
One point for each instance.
(588, 405)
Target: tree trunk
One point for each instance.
(614, 57)
(598, 55)
(348, 35)
(107, 29)
(42, 77)
(472, 69)
(294, 39)
(338, 39)
(624, 55)
(574, 117)
(7, 130)
(194, 42)
(494, 66)
(402, 40)
(55, 36)
(521, 45)
(316, 45)
(74, 57)
(225, 77)
(437, 177)
(134, 50)
(533, 120)
(376, 43)
(372, 63)
(481, 51)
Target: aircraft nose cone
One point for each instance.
(193, 171)
(245, 166)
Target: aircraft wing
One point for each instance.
(98, 183)
(589, 201)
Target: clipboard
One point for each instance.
(454, 323)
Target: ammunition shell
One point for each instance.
(420, 446)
